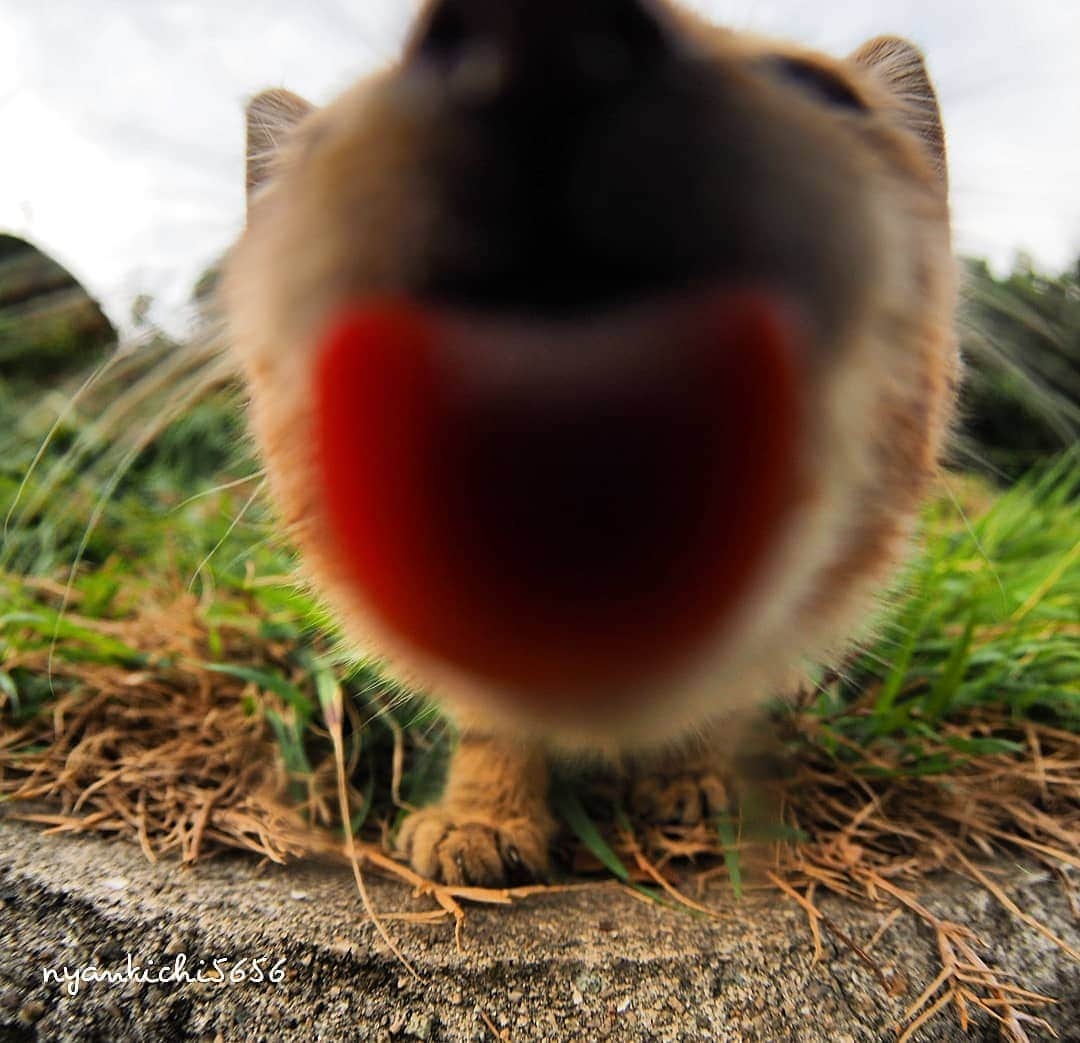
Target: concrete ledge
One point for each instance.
(580, 966)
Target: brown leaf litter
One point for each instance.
(180, 759)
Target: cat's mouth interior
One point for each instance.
(558, 507)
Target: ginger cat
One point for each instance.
(600, 360)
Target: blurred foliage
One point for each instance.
(1021, 337)
(128, 493)
(49, 325)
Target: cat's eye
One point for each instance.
(820, 82)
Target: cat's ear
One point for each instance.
(899, 66)
(270, 117)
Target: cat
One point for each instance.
(600, 360)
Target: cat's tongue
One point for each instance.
(558, 508)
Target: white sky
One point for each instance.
(121, 130)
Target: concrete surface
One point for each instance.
(581, 966)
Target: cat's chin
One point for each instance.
(559, 507)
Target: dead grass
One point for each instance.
(879, 837)
(181, 759)
(172, 756)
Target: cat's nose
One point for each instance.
(494, 50)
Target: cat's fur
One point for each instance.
(840, 165)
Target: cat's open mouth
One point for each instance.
(559, 507)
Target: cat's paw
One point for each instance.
(685, 798)
(458, 846)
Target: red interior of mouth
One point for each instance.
(559, 509)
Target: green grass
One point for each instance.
(105, 534)
(132, 506)
(988, 613)
(991, 617)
